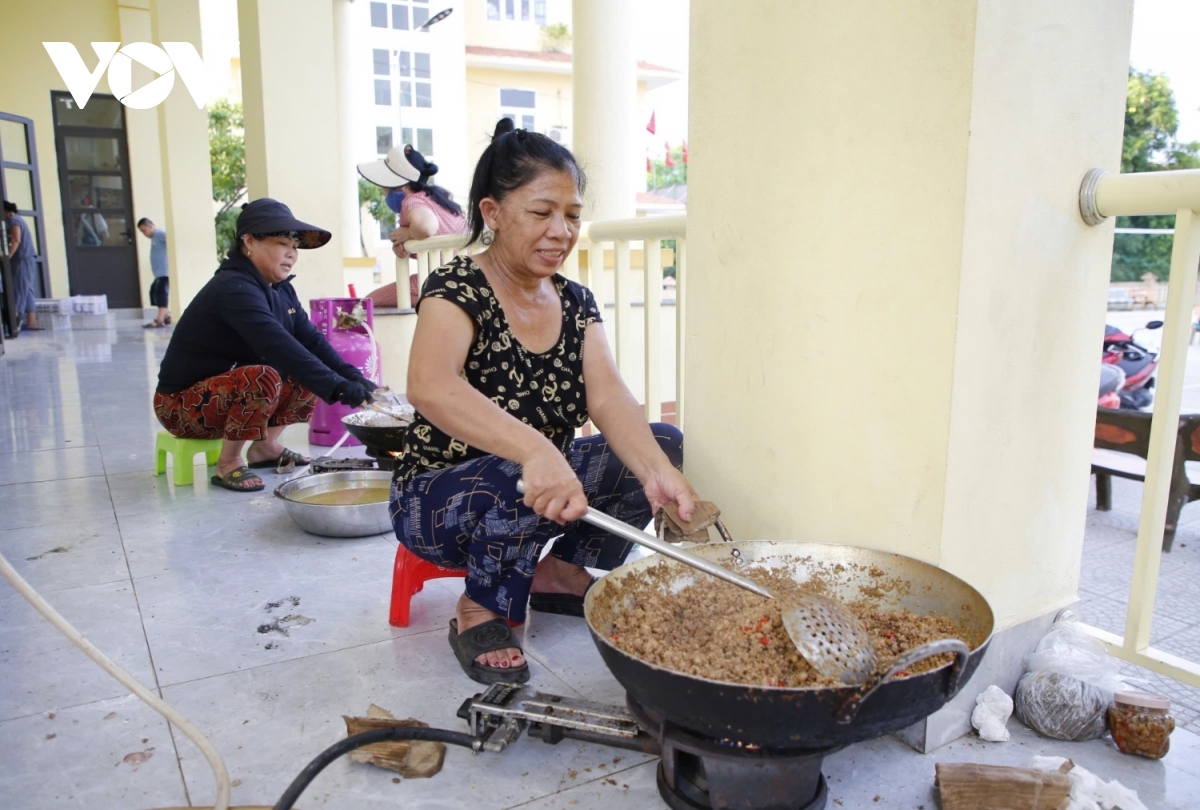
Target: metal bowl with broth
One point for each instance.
(352, 503)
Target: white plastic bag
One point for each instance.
(1066, 692)
(1088, 791)
(992, 710)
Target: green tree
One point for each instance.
(227, 158)
(374, 198)
(1151, 120)
(661, 175)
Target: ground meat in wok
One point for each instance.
(718, 631)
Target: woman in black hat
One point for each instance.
(245, 361)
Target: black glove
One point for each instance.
(367, 384)
(350, 393)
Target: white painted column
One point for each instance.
(605, 106)
(343, 31)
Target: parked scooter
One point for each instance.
(1136, 361)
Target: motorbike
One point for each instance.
(1138, 363)
(1111, 380)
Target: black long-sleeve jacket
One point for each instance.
(238, 319)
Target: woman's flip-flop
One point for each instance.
(564, 604)
(484, 638)
(283, 460)
(231, 480)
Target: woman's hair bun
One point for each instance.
(503, 126)
(430, 169)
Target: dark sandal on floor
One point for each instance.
(564, 604)
(231, 480)
(286, 458)
(484, 638)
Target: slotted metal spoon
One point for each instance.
(828, 635)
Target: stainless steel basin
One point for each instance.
(336, 520)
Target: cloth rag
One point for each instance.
(992, 710)
(1088, 791)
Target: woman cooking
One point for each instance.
(508, 359)
(245, 361)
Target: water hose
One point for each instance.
(220, 772)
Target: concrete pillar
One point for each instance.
(186, 173)
(343, 32)
(605, 106)
(141, 133)
(289, 88)
(893, 324)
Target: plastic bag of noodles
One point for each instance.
(1068, 686)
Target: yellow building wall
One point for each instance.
(911, 361)
(30, 75)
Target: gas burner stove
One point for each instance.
(383, 458)
(695, 772)
(333, 464)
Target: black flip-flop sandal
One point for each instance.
(230, 480)
(484, 638)
(283, 460)
(564, 604)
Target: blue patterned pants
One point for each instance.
(471, 516)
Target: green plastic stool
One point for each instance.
(185, 452)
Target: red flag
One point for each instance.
(649, 165)
(684, 154)
(650, 127)
(669, 162)
(667, 146)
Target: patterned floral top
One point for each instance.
(544, 390)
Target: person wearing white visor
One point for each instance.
(426, 210)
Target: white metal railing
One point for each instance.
(599, 238)
(1104, 195)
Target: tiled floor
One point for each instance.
(176, 584)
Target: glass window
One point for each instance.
(405, 61)
(425, 142)
(95, 154)
(420, 16)
(400, 17)
(509, 9)
(383, 91)
(422, 66)
(517, 98)
(12, 142)
(527, 123)
(18, 185)
(385, 231)
(539, 12)
(493, 9)
(525, 10)
(101, 111)
(406, 136)
(424, 94)
(383, 65)
(406, 95)
(379, 15)
(383, 140)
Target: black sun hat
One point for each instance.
(271, 216)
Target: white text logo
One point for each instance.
(165, 61)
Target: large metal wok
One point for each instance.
(790, 717)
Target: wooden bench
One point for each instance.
(1121, 447)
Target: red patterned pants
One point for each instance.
(239, 405)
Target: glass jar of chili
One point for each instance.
(1140, 724)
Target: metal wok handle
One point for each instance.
(849, 709)
(617, 527)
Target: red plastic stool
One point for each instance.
(409, 577)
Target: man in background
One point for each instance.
(160, 287)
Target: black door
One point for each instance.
(98, 222)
